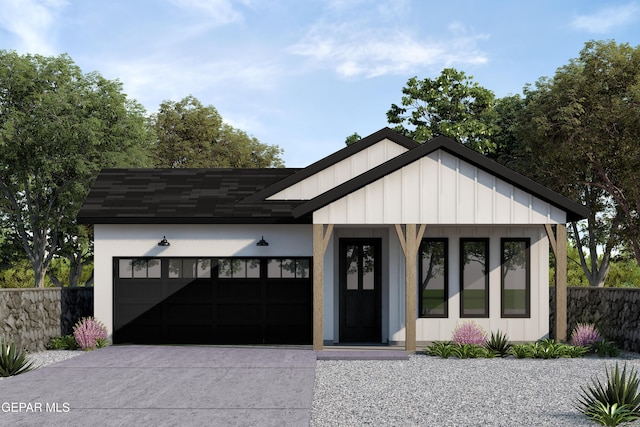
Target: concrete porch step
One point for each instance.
(362, 353)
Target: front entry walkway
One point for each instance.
(166, 385)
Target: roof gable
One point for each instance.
(339, 167)
(503, 175)
(382, 173)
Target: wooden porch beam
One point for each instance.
(321, 237)
(552, 239)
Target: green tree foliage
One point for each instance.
(58, 127)
(451, 105)
(508, 112)
(191, 135)
(352, 139)
(580, 134)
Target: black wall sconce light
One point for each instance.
(164, 242)
(262, 242)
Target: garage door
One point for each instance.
(212, 301)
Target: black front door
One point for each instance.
(360, 293)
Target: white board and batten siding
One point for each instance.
(341, 172)
(439, 189)
(532, 328)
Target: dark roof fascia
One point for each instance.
(366, 142)
(137, 220)
(574, 211)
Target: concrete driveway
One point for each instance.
(166, 385)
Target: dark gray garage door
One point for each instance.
(212, 301)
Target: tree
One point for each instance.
(451, 105)
(191, 135)
(352, 139)
(581, 136)
(508, 113)
(58, 127)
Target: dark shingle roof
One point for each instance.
(144, 196)
(237, 196)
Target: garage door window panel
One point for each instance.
(288, 268)
(238, 268)
(139, 268)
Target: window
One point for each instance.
(515, 288)
(189, 268)
(236, 268)
(288, 268)
(434, 275)
(474, 275)
(139, 268)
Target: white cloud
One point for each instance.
(220, 12)
(353, 52)
(607, 19)
(179, 77)
(31, 22)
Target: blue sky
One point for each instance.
(305, 74)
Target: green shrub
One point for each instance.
(447, 349)
(498, 344)
(605, 348)
(574, 351)
(611, 415)
(12, 360)
(64, 342)
(616, 401)
(521, 351)
(550, 349)
(547, 349)
(443, 349)
(469, 351)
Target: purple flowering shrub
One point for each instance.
(90, 333)
(469, 333)
(585, 334)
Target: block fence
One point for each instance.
(615, 311)
(32, 316)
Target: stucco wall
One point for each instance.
(220, 240)
(616, 312)
(32, 316)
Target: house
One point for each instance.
(385, 241)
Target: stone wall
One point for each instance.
(615, 311)
(32, 316)
(76, 303)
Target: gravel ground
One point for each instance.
(44, 358)
(47, 357)
(430, 391)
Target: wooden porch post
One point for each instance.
(320, 242)
(561, 282)
(559, 247)
(410, 242)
